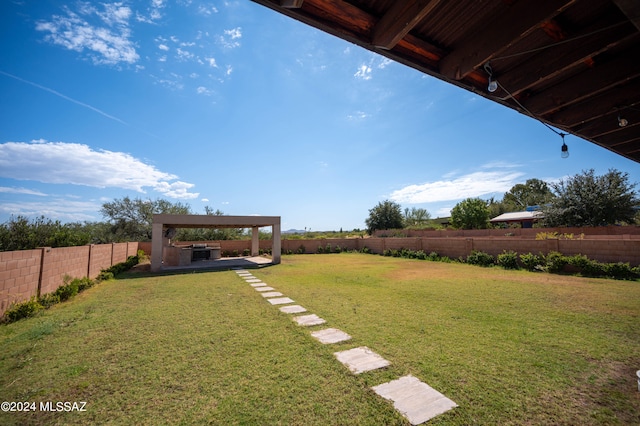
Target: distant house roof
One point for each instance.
(518, 216)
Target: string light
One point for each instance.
(622, 122)
(493, 86)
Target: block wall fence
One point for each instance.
(27, 273)
(613, 247)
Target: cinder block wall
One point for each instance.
(23, 272)
(19, 273)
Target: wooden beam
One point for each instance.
(291, 4)
(550, 63)
(596, 107)
(631, 8)
(399, 20)
(623, 136)
(609, 123)
(600, 78)
(516, 22)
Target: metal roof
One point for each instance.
(572, 64)
(518, 216)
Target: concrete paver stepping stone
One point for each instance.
(253, 280)
(271, 294)
(415, 400)
(280, 300)
(293, 309)
(330, 335)
(359, 360)
(241, 271)
(263, 288)
(258, 285)
(309, 320)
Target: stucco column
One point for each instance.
(276, 248)
(156, 247)
(255, 241)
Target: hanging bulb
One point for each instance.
(493, 85)
(564, 151)
(622, 122)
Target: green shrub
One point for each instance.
(48, 300)
(84, 283)
(105, 276)
(246, 252)
(421, 255)
(327, 249)
(531, 262)
(508, 260)
(586, 266)
(555, 262)
(23, 310)
(320, 250)
(619, 271)
(67, 291)
(365, 250)
(337, 249)
(301, 250)
(480, 258)
(433, 256)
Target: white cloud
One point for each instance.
(364, 72)
(203, 91)
(184, 54)
(163, 47)
(207, 10)
(204, 200)
(234, 33)
(212, 62)
(177, 189)
(358, 115)
(61, 209)
(470, 185)
(25, 191)
(154, 12)
(78, 164)
(107, 39)
(385, 63)
(231, 38)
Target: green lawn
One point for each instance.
(509, 347)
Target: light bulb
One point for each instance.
(493, 85)
(622, 122)
(564, 151)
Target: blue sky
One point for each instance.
(230, 105)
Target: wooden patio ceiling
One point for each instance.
(572, 64)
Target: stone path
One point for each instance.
(415, 400)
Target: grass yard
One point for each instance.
(509, 347)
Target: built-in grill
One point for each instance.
(200, 252)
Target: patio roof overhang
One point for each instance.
(572, 64)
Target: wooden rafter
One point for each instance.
(595, 80)
(548, 64)
(399, 20)
(291, 4)
(515, 22)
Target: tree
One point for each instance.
(21, 233)
(386, 215)
(471, 213)
(589, 200)
(534, 192)
(131, 220)
(416, 216)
